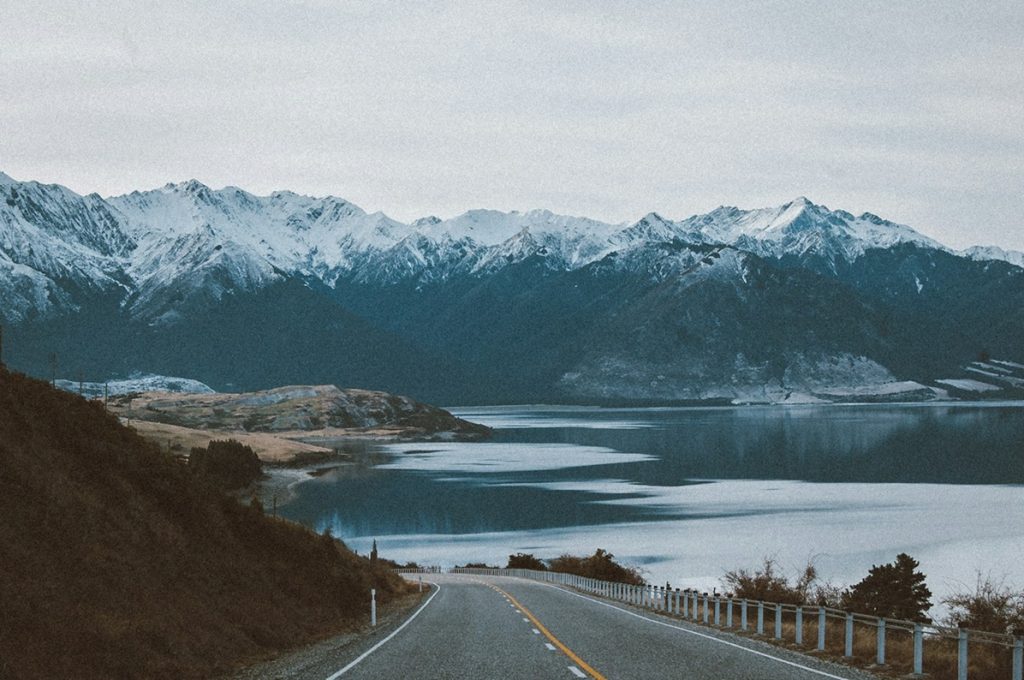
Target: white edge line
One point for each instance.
(577, 672)
(395, 632)
(692, 632)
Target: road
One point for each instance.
(498, 627)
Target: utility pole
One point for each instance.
(1, 348)
(53, 369)
(106, 394)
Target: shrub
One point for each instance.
(525, 561)
(601, 565)
(895, 590)
(992, 606)
(769, 584)
(228, 464)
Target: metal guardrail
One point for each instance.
(722, 611)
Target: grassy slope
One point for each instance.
(116, 563)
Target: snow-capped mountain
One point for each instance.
(982, 253)
(545, 306)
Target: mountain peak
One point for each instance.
(190, 186)
(653, 218)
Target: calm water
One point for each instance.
(688, 493)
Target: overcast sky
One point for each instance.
(914, 111)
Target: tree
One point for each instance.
(601, 565)
(769, 584)
(895, 590)
(992, 606)
(228, 464)
(525, 561)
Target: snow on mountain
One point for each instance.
(200, 265)
(186, 241)
(25, 292)
(492, 227)
(982, 253)
(55, 243)
(415, 257)
(135, 384)
(802, 228)
(291, 232)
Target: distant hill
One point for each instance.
(299, 408)
(117, 563)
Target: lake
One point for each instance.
(687, 493)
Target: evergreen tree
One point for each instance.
(895, 591)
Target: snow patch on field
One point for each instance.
(137, 383)
(968, 385)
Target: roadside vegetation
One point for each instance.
(896, 590)
(118, 562)
(601, 565)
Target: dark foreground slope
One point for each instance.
(116, 563)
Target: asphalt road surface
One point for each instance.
(475, 627)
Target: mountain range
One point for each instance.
(789, 303)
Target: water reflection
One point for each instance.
(949, 444)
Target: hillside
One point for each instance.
(118, 564)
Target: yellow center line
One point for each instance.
(555, 641)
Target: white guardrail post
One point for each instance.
(707, 613)
(778, 621)
(718, 611)
(675, 605)
(821, 628)
(1018, 659)
(760, 618)
(799, 625)
(961, 656)
(686, 603)
(743, 615)
(373, 606)
(880, 635)
(918, 649)
(728, 612)
(848, 648)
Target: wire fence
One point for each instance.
(892, 645)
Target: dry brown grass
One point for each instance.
(271, 448)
